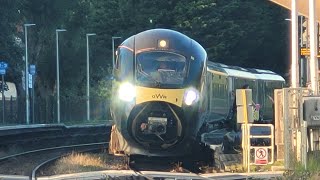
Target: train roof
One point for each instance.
(149, 41)
(249, 73)
(215, 67)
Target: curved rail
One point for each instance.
(34, 171)
(48, 149)
(135, 170)
(147, 174)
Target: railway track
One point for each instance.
(24, 138)
(161, 168)
(32, 161)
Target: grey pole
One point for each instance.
(313, 48)
(113, 38)
(302, 77)
(3, 99)
(26, 73)
(88, 77)
(32, 91)
(294, 45)
(58, 78)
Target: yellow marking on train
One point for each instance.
(173, 96)
(126, 47)
(217, 72)
(144, 49)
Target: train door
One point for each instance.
(261, 97)
(260, 92)
(209, 89)
(268, 98)
(231, 93)
(256, 86)
(219, 94)
(224, 94)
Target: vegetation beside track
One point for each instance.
(311, 171)
(84, 162)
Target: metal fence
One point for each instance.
(73, 110)
(9, 112)
(289, 134)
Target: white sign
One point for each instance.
(23, 81)
(32, 69)
(2, 71)
(30, 81)
(261, 155)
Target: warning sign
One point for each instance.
(306, 52)
(261, 156)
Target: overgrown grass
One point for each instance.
(268, 167)
(84, 162)
(311, 171)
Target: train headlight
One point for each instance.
(191, 96)
(127, 92)
(162, 43)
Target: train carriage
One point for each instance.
(262, 83)
(165, 93)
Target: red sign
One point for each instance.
(261, 156)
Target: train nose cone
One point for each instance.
(157, 125)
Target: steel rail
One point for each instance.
(34, 171)
(135, 170)
(187, 173)
(52, 148)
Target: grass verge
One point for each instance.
(84, 162)
(310, 171)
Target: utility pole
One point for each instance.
(294, 45)
(113, 38)
(58, 73)
(27, 71)
(313, 49)
(88, 76)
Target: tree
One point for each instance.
(10, 38)
(237, 32)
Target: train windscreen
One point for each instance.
(159, 68)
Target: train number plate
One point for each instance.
(158, 120)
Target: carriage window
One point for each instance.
(126, 64)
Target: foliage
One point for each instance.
(236, 32)
(311, 171)
(10, 43)
(103, 87)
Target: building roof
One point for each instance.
(302, 6)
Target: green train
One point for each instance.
(165, 91)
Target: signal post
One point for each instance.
(263, 154)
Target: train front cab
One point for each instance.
(156, 110)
